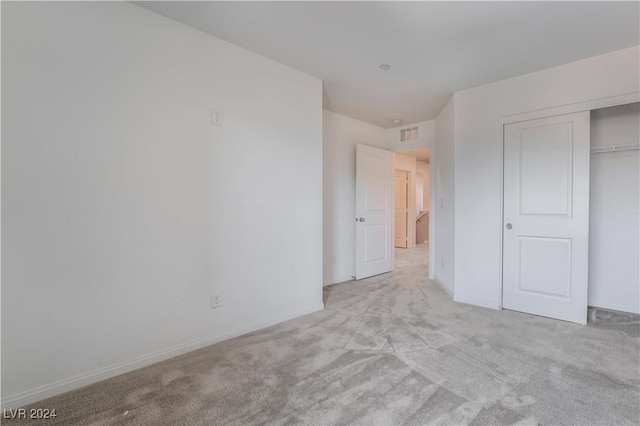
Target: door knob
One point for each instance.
(361, 219)
(509, 226)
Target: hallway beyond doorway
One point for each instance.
(418, 255)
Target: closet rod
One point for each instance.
(615, 148)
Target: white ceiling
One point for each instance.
(434, 48)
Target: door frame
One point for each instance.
(610, 101)
(432, 202)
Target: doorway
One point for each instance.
(400, 208)
(571, 221)
(412, 234)
(390, 219)
(614, 209)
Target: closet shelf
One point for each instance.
(615, 148)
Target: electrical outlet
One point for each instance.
(216, 299)
(216, 117)
(442, 261)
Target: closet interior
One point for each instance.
(614, 209)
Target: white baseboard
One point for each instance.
(46, 391)
(443, 287)
(477, 302)
(340, 280)
(614, 306)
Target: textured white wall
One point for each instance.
(341, 134)
(123, 208)
(614, 216)
(478, 155)
(442, 208)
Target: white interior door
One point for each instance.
(400, 207)
(374, 211)
(546, 217)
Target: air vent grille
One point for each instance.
(409, 134)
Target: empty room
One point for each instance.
(320, 213)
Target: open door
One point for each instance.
(374, 211)
(546, 217)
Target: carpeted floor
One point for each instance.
(392, 349)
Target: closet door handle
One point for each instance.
(509, 226)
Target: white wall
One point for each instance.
(426, 136)
(614, 216)
(443, 199)
(122, 208)
(341, 134)
(408, 164)
(478, 155)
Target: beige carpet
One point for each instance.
(393, 349)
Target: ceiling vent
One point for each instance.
(409, 134)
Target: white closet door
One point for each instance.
(546, 217)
